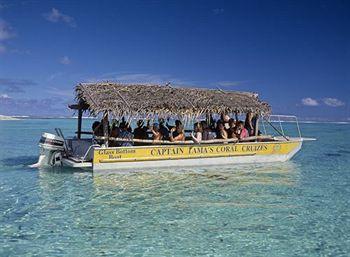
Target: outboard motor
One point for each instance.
(51, 150)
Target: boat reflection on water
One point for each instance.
(184, 208)
(274, 173)
(241, 186)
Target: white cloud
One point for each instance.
(333, 102)
(308, 101)
(5, 31)
(56, 16)
(65, 60)
(4, 96)
(218, 11)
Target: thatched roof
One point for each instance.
(137, 99)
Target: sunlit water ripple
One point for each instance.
(298, 208)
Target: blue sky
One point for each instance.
(295, 54)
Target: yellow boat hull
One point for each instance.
(194, 155)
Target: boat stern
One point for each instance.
(51, 151)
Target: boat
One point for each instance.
(108, 101)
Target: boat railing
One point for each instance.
(187, 142)
(60, 133)
(279, 119)
(188, 131)
(88, 152)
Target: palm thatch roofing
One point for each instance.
(145, 99)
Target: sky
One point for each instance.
(295, 54)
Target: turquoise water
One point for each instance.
(298, 208)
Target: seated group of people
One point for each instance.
(224, 128)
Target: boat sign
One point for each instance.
(153, 153)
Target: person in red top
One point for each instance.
(242, 132)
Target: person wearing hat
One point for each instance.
(141, 131)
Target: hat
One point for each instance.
(139, 122)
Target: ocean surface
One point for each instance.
(297, 208)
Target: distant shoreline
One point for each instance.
(3, 117)
(15, 117)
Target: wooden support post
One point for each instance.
(256, 127)
(105, 127)
(80, 118)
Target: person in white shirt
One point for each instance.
(198, 132)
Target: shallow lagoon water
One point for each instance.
(297, 208)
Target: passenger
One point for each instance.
(225, 120)
(231, 132)
(95, 128)
(114, 131)
(97, 131)
(206, 130)
(197, 137)
(174, 128)
(125, 124)
(141, 131)
(125, 134)
(163, 129)
(213, 125)
(177, 133)
(221, 132)
(248, 124)
(115, 134)
(208, 134)
(157, 134)
(241, 131)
